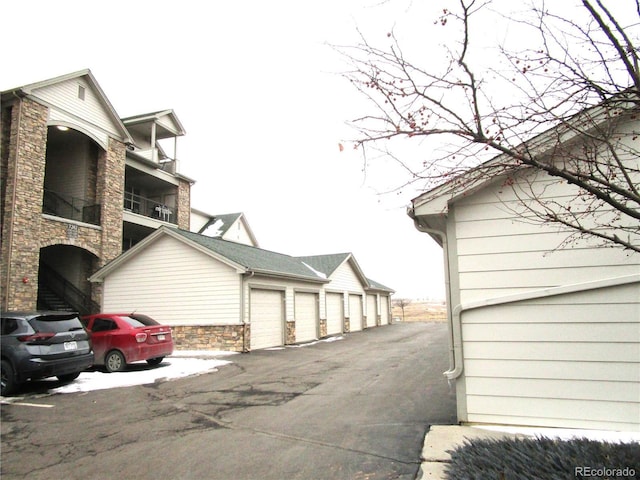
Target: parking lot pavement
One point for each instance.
(357, 408)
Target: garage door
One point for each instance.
(355, 313)
(306, 314)
(334, 313)
(267, 318)
(372, 311)
(384, 310)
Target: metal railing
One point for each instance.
(149, 208)
(68, 292)
(66, 206)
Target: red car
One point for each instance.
(122, 338)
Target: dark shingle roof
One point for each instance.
(326, 264)
(253, 258)
(379, 286)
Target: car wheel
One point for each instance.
(69, 377)
(114, 361)
(8, 382)
(155, 361)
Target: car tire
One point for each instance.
(8, 379)
(114, 361)
(69, 377)
(155, 361)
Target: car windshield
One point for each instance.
(56, 323)
(143, 319)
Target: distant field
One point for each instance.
(418, 311)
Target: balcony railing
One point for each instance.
(149, 208)
(66, 206)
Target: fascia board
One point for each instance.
(273, 274)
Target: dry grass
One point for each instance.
(418, 311)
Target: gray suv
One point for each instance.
(42, 344)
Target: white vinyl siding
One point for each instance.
(372, 311)
(238, 233)
(175, 284)
(561, 361)
(345, 278)
(67, 107)
(306, 312)
(500, 254)
(267, 318)
(355, 313)
(335, 315)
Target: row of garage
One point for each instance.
(219, 294)
(268, 320)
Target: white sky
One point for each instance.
(255, 87)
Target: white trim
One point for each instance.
(553, 291)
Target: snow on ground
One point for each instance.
(182, 363)
(179, 364)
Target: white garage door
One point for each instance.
(306, 314)
(384, 310)
(334, 313)
(355, 313)
(372, 311)
(267, 318)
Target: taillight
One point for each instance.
(36, 337)
(141, 337)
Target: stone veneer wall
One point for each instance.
(24, 228)
(323, 328)
(22, 215)
(210, 337)
(347, 325)
(184, 204)
(290, 333)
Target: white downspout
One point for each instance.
(453, 314)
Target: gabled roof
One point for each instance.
(373, 285)
(245, 258)
(167, 124)
(30, 90)
(328, 264)
(224, 222)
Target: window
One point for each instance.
(81, 92)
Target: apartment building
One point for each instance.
(79, 186)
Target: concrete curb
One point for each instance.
(441, 438)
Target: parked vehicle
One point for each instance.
(122, 338)
(42, 344)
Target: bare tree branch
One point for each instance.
(567, 105)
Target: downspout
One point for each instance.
(453, 315)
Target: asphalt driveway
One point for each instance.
(357, 408)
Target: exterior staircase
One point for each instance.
(57, 293)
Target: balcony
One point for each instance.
(72, 208)
(149, 208)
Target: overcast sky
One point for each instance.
(255, 85)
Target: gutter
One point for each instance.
(453, 315)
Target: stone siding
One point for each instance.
(184, 204)
(347, 325)
(209, 337)
(25, 230)
(22, 213)
(290, 333)
(323, 328)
